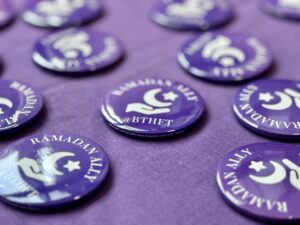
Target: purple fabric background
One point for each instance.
(167, 182)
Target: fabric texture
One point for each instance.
(167, 182)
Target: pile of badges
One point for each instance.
(41, 172)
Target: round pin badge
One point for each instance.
(289, 9)
(20, 104)
(224, 57)
(77, 51)
(270, 107)
(192, 14)
(61, 13)
(50, 171)
(262, 181)
(6, 13)
(152, 107)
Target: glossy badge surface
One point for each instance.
(50, 171)
(224, 57)
(270, 107)
(262, 180)
(152, 107)
(61, 13)
(20, 104)
(76, 51)
(289, 9)
(192, 14)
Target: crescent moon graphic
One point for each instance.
(276, 177)
(220, 42)
(49, 162)
(150, 98)
(285, 102)
(6, 102)
(72, 45)
(229, 52)
(294, 94)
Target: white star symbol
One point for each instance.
(257, 166)
(267, 97)
(71, 165)
(170, 96)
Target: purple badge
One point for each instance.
(224, 57)
(270, 107)
(6, 13)
(50, 171)
(289, 9)
(77, 51)
(152, 107)
(20, 104)
(192, 14)
(262, 180)
(61, 13)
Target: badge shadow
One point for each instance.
(221, 26)
(2, 66)
(9, 24)
(253, 218)
(72, 207)
(284, 139)
(192, 130)
(81, 75)
(282, 19)
(268, 73)
(28, 128)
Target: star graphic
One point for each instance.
(257, 166)
(267, 97)
(71, 166)
(170, 96)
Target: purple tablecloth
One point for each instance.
(152, 182)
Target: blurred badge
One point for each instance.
(289, 9)
(61, 13)
(224, 57)
(6, 13)
(192, 14)
(76, 51)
